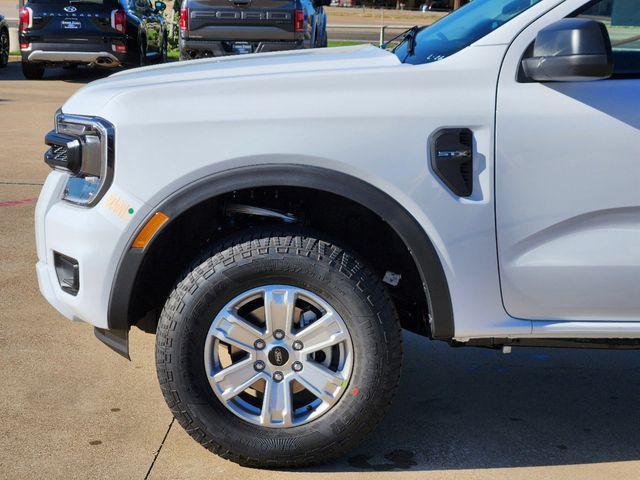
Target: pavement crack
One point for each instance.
(155, 456)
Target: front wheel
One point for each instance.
(278, 350)
(323, 40)
(164, 51)
(4, 47)
(142, 53)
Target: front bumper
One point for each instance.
(95, 237)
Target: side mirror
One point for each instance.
(571, 50)
(160, 6)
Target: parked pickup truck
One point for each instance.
(212, 28)
(278, 218)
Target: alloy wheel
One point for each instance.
(278, 356)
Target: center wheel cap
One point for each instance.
(278, 356)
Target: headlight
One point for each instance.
(83, 147)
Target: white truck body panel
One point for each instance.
(356, 110)
(567, 196)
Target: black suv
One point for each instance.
(104, 33)
(227, 27)
(4, 42)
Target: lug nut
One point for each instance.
(259, 344)
(297, 366)
(278, 334)
(297, 345)
(259, 365)
(278, 376)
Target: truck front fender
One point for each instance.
(403, 223)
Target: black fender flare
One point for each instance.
(405, 225)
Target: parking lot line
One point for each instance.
(13, 203)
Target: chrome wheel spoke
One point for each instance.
(320, 381)
(235, 379)
(325, 332)
(259, 374)
(235, 331)
(277, 404)
(278, 309)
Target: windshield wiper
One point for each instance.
(408, 35)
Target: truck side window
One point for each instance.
(622, 19)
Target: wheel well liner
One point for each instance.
(402, 222)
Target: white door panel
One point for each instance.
(568, 195)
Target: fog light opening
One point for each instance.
(68, 272)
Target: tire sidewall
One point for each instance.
(4, 53)
(217, 285)
(324, 42)
(142, 53)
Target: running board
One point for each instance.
(595, 343)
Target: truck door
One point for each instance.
(568, 180)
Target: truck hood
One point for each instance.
(92, 98)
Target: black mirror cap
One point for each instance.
(573, 49)
(160, 6)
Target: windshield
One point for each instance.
(460, 29)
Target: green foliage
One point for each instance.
(333, 43)
(173, 30)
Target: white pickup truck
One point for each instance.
(278, 218)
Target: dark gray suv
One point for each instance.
(211, 28)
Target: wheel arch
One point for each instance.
(414, 237)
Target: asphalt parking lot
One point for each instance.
(71, 408)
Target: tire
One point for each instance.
(323, 41)
(142, 53)
(4, 47)
(163, 54)
(288, 259)
(32, 71)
